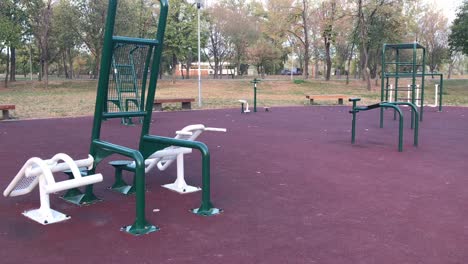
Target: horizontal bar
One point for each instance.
(407, 75)
(123, 114)
(140, 41)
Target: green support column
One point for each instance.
(353, 122)
(441, 78)
(255, 81)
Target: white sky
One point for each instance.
(449, 7)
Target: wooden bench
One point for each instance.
(338, 97)
(186, 102)
(6, 111)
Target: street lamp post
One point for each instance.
(199, 56)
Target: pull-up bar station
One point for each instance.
(406, 61)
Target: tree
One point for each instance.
(301, 26)
(11, 26)
(40, 16)
(328, 13)
(434, 37)
(218, 48)
(240, 28)
(64, 18)
(181, 33)
(459, 36)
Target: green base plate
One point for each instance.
(124, 189)
(82, 199)
(140, 231)
(209, 212)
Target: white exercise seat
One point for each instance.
(246, 109)
(38, 171)
(162, 159)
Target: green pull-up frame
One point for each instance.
(394, 106)
(101, 149)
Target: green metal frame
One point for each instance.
(255, 81)
(101, 149)
(394, 106)
(414, 74)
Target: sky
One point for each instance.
(449, 7)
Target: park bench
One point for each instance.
(6, 111)
(338, 97)
(186, 102)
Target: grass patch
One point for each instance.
(77, 98)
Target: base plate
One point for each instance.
(46, 217)
(182, 190)
(136, 232)
(210, 212)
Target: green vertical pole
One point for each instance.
(382, 84)
(255, 94)
(206, 208)
(440, 91)
(423, 77)
(103, 84)
(413, 80)
(397, 78)
(353, 123)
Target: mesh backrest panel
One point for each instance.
(24, 183)
(126, 80)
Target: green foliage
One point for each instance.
(181, 38)
(458, 39)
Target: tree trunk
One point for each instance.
(7, 67)
(328, 60)
(70, 63)
(13, 64)
(65, 68)
(450, 69)
(349, 63)
(306, 40)
(363, 33)
(174, 64)
(46, 73)
(316, 69)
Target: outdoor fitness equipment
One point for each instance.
(162, 159)
(151, 50)
(244, 106)
(37, 171)
(255, 81)
(409, 65)
(393, 105)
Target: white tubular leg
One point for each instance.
(417, 96)
(436, 94)
(45, 215)
(409, 93)
(390, 93)
(180, 185)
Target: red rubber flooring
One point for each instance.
(293, 188)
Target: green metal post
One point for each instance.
(206, 208)
(416, 119)
(440, 92)
(381, 84)
(353, 123)
(423, 77)
(255, 81)
(413, 82)
(400, 126)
